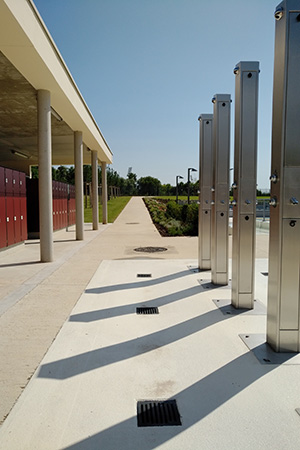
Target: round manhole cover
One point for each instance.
(150, 249)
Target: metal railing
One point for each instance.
(263, 209)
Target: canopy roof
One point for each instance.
(29, 61)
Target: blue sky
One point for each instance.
(148, 68)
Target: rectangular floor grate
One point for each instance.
(157, 413)
(144, 275)
(147, 310)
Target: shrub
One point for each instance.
(173, 210)
(184, 209)
(174, 228)
(192, 218)
(172, 219)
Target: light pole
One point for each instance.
(177, 177)
(190, 169)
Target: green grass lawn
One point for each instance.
(114, 207)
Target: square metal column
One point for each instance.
(205, 196)
(220, 189)
(244, 186)
(284, 254)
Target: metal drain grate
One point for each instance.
(157, 413)
(147, 310)
(150, 249)
(144, 275)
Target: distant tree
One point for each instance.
(64, 174)
(113, 178)
(35, 172)
(132, 176)
(261, 193)
(182, 188)
(130, 184)
(148, 186)
(167, 189)
(194, 188)
(61, 174)
(71, 175)
(87, 173)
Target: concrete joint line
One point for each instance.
(14, 297)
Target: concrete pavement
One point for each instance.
(105, 357)
(36, 298)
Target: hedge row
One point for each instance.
(172, 219)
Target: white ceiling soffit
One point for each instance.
(26, 42)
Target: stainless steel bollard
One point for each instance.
(205, 195)
(244, 192)
(220, 189)
(284, 253)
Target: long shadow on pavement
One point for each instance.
(194, 403)
(94, 359)
(116, 311)
(26, 263)
(138, 284)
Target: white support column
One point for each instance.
(45, 175)
(78, 154)
(104, 193)
(95, 189)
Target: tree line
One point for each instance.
(130, 185)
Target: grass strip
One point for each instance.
(114, 207)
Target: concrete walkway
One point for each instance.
(105, 357)
(36, 298)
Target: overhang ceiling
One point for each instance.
(29, 60)
(18, 123)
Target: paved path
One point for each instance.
(36, 298)
(105, 357)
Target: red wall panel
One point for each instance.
(17, 205)
(3, 238)
(17, 219)
(60, 203)
(2, 181)
(73, 211)
(22, 182)
(66, 205)
(23, 206)
(54, 195)
(9, 204)
(16, 183)
(23, 218)
(8, 175)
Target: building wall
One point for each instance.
(64, 213)
(13, 211)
